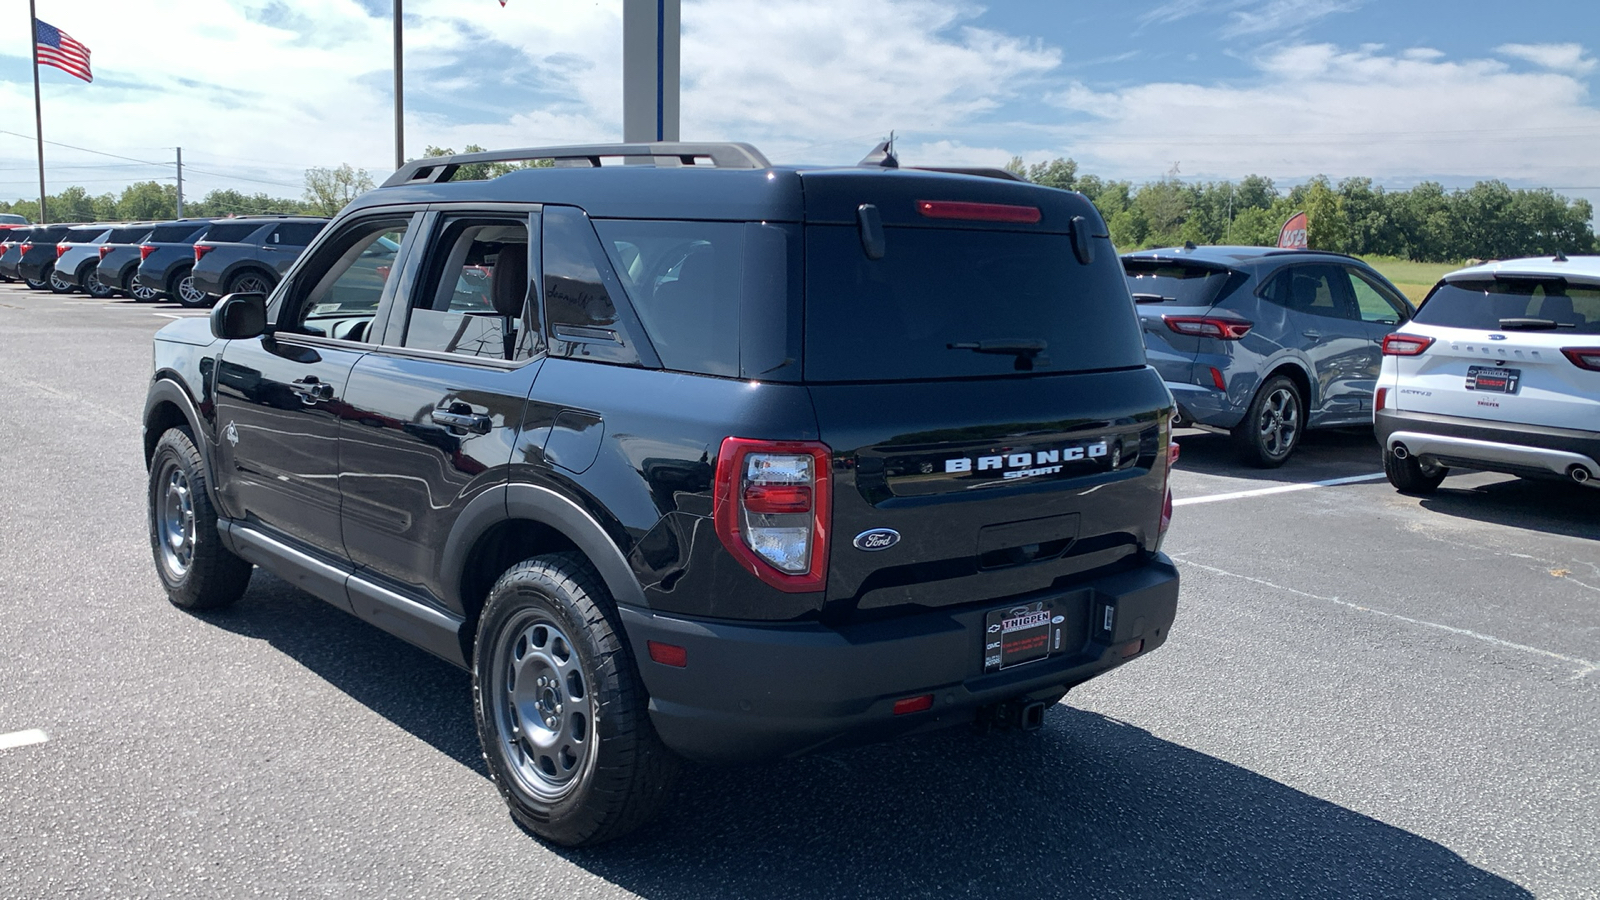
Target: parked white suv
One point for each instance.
(1499, 372)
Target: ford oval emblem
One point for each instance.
(877, 539)
(1497, 337)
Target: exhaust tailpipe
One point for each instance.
(1400, 451)
(1031, 717)
(1578, 474)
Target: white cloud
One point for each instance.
(1570, 58)
(1281, 18)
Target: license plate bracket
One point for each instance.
(1493, 379)
(1020, 633)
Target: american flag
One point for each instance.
(57, 48)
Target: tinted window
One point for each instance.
(684, 281)
(1549, 304)
(895, 318)
(129, 235)
(230, 231)
(297, 234)
(584, 318)
(473, 299)
(1178, 284)
(87, 235)
(1314, 290)
(176, 232)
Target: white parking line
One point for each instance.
(22, 738)
(1280, 489)
(179, 315)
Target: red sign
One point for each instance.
(1293, 234)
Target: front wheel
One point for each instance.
(560, 709)
(39, 284)
(133, 288)
(197, 571)
(1412, 475)
(1272, 426)
(249, 283)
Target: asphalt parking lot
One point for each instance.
(1365, 694)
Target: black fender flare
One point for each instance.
(540, 504)
(167, 389)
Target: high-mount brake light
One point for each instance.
(145, 250)
(201, 250)
(771, 506)
(978, 212)
(1209, 326)
(1405, 344)
(1583, 357)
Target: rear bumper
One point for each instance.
(754, 692)
(1204, 406)
(1456, 442)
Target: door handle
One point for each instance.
(311, 389)
(1311, 334)
(462, 422)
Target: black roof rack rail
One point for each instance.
(666, 153)
(985, 171)
(1283, 251)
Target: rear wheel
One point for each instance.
(38, 284)
(138, 291)
(197, 571)
(560, 708)
(1272, 426)
(1412, 475)
(183, 290)
(90, 279)
(58, 284)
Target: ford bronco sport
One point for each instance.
(706, 458)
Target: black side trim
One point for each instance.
(541, 504)
(318, 577)
(167, 389)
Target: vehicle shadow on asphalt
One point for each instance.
(1325, 453)
(1088, 806)
(1553, 507)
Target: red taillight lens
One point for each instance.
(201, 250)
(1583, 357)
(145, 250)
(1217, 379)
(1209, 326)
(1380, 399)
(978, 212)
(771, 507)
(61, 250)
(104, 249)
(1166, 483)
(1405, 344)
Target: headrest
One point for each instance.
(508, 283)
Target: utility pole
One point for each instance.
(38, 108)
(180, 182)
(399, 102)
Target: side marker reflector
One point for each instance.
(668, 654)
(913, 704)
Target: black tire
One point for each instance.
(139, 292)
(1271, 428)
(561, 711)
(197, 571)
(252, 281)
(57, 282)
(92, 285)
(181, 288)
(1411, 475)
(39, 284)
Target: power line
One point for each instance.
(30, 137)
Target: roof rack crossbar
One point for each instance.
(435, 169)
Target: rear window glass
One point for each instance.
(176, 232)
(1545, 305)
(230, 231)
(998, 292)
(1172, 283)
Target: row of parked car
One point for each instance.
(190, 261)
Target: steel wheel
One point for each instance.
(175, 520)
(544, 707)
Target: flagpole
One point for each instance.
(399, 104)
(38, 108)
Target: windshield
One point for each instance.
(953, 303)
(1534, 304)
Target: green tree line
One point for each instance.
(1426, 223)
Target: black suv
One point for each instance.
(36, 262)
(120, 257)
(250, 254)
(166, 261)
(709, 458)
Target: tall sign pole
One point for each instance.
(38, 108)
(650, 32)
(399, 101)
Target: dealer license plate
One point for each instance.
(1019, 634)
(1494, 379)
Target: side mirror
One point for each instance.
(242, 315)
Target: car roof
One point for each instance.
(264, 219)
(1586, 267)
(1235, 256)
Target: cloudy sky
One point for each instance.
(256, 91)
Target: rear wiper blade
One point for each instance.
(1151, 298)
(1028, 352)
(1526, 324)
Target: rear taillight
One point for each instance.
(61, 250)
(771, 506)
(201, 250)
(145, 250)
(1208, 326)
(1380, 399)
(1405, 344)
(1583, 357)
(977, 212)
(104, 249)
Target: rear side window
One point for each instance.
(684, 281)
(231, 231)
(953, 303)
(1552, 304)
(1174, 283)
(582, 295)
(295, 234)
(128, 235)
(184, 231)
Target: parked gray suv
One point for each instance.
(1264, 343)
